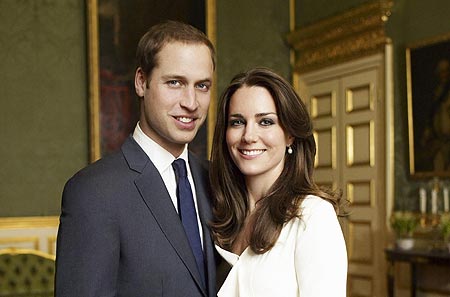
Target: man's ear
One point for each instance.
(140, 82)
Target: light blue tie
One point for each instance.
(186, 209)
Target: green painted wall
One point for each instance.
(309, 11)
(249, 34)
(43, 83)
(410, 22)
(43, 88)
(43, 95)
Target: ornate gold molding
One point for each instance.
(14, 251)
(94, 80)
(357, 32)
(211, 31)
(94, 77)
(28, 222)
(20, 240)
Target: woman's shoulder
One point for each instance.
(312, 201)
(313, 204)
(317, 215)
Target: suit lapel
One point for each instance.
(201, 181)
(160, 205)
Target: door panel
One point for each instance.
(347, 109)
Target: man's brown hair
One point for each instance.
(160, 34)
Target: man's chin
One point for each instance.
(186, 137)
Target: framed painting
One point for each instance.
(114, 29)
(428, 83)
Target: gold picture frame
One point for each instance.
(428, 92)
(119, 84)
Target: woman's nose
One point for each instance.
(250, 134)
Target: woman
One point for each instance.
(272, 223)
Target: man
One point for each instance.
(120, 230)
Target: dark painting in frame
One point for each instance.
(428, 83)
(114, 28)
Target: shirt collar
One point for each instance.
(161, 158)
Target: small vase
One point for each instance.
(405, 243)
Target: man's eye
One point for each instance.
(203, 86)
(173, 83)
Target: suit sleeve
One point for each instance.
(88, 245)
(321, 256)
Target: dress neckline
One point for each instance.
(231, 257)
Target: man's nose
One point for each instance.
(189, 100)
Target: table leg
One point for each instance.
(413, 279)
(390, 279)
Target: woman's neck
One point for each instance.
(259, 185)
(242, 240)
(257, 188)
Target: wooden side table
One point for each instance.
(413, 257)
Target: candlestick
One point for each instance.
(434, 201)
(446, 199)
(423, 200)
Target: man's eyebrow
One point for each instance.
(205, 80)
(174, 76)
(184, 78)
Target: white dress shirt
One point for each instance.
(309, 259)
(163, 160)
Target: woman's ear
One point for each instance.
(290, 140)
(140, 82)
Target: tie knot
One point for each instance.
(180, 168)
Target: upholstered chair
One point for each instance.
(27, 273)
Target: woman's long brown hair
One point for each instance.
(282, 202)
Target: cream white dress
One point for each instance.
(309, 259)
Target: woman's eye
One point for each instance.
(236, 122)
(267, 122)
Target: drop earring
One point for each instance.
(289, 150)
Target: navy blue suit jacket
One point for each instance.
(120, 234)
